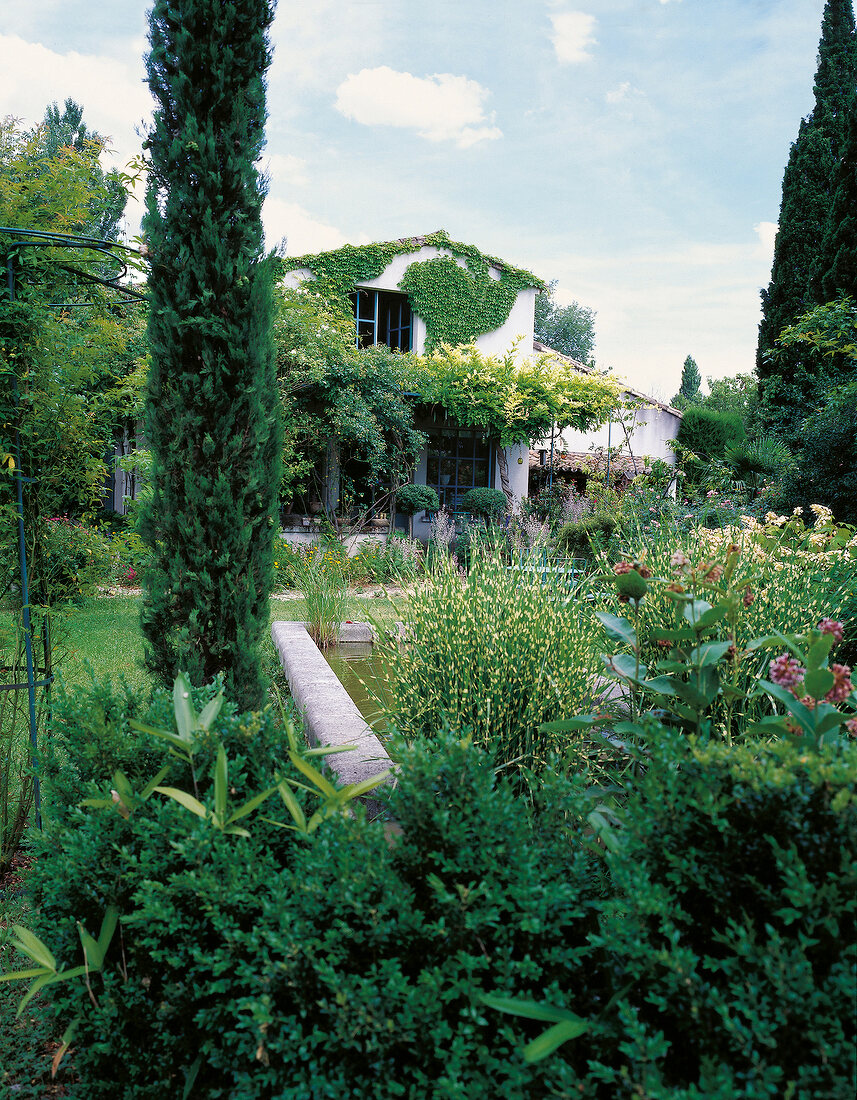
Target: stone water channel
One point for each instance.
(331, 718)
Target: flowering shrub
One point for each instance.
(376, 562)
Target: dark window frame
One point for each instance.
(382, 317)
(465, 457)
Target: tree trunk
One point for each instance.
(504, 476)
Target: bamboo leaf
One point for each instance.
(250, 806)
(355, 790)
(530, 1010)
(32, 946)
(65, 1043)
(210, 711)
(292, 805)
(152, 785)
(554, 1037)
(23, 975)
(186, 720)
(221, 785)
(323, 784)
(185, 799)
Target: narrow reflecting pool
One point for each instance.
(362, 672)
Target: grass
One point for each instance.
(104, 634)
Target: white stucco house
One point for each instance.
(385, 310)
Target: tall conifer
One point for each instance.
(212, 415)
(787, 380)
(840, 241)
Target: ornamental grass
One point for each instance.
(492, 655)
(320, 579)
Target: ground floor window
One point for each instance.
(458, 460)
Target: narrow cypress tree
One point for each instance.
(691, 380)
(212, 417)
(808, 184)
(840, 240)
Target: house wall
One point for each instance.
(654, 427)
(518, 324)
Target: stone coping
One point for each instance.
(330, 716)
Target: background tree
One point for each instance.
(737, 394)
(691, 380)
(788, 381)
(67, 130)
(567, 329)
(212, 417)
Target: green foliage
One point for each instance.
(569, 329)
(515, 402)
(735, 878)
(211, 422)
(590, 533)
(793, 379)
(457, 304)
(751, 460)
(489, 503)
(827, 472)
(708, 433)
(838, 246)
(492, 655)
(738, 394)
(319, 576)
(411, 499)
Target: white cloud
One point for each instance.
(286, 169)
(623, 93)
(670, 1)
(441, 107)
(113, 94)
(767, 234)
(573, 34)
(303, 232)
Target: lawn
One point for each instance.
(104, 633)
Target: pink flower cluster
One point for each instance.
(831, 626)
(842, 686)
(786, 671)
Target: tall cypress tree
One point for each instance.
(212, 417)
(840, 241)
(787, 378)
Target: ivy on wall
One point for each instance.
(457, 303)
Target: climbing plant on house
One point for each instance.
(212, 421)
(456, 294)
(515, 402)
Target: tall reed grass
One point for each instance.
(320, 579)
(493, 654)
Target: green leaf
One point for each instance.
(30, 945)
(210, 711)
(818, 653)
(709, 618)
(186, 720)
(221, 784)
(623, 665)
(709, 653)
(529, 1010)
(355, 790)
(554, 1037)
(185, 799)
(164, 735)
(818, 682)
(693, 611)
(292, 805)
(250, 806)
(151, 786)
(323, 784)
(660, 685)
(38, 984)
(22, 975)
(569, 725)
(794, 706)
(620, 630)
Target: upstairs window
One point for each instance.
(382, 318)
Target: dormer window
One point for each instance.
(382, 318)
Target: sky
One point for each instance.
(632, 150)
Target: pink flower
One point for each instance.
(786, 671)
(842, 686)
(831, 626)
(852, 727)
